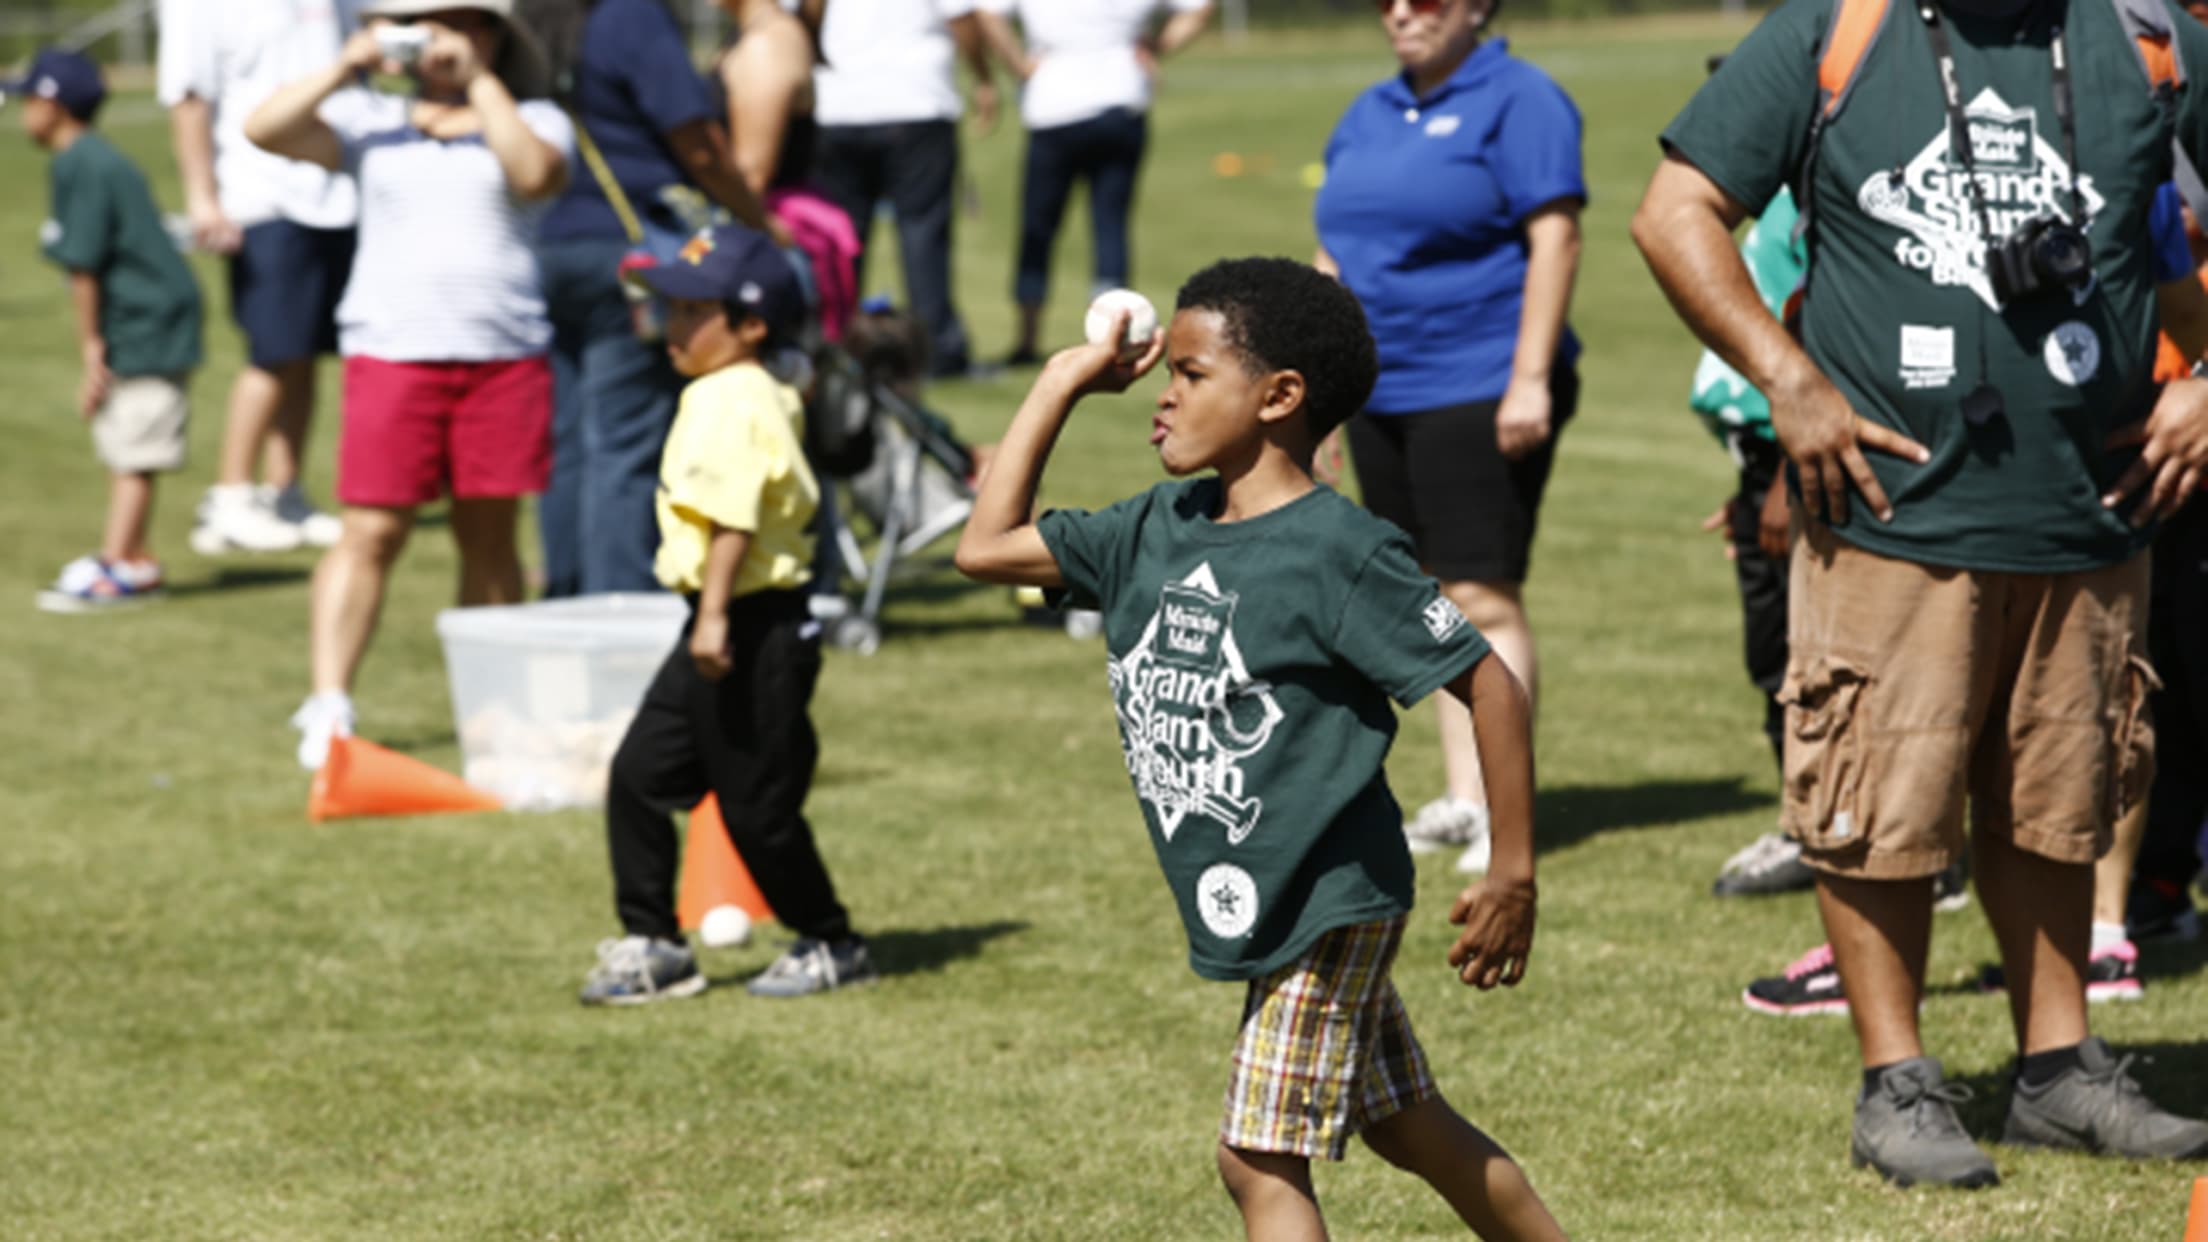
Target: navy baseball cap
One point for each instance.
(737, 265)
(67, 78)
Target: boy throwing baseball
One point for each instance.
(1257, 625)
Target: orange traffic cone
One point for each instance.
(2196, 1220)
(712, 873)
(361, 778)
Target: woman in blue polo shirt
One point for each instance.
(1451, 209)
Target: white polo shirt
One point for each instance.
(889, 61)
(234, 54)
(1084, 54)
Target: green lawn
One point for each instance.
(219, 1022)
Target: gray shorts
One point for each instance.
(139, 429)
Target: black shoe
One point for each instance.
(1906, 1128)
(1810, 985)
(1951, 888)
(1024, 356)
(2097, 1106)
(2160, 910)
(813, 966)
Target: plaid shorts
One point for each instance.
(1326, 1049)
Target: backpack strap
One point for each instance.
(1849, 37)
(2146, 24)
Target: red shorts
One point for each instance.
(414, 431)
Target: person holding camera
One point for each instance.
(1979, 458)
(442, 326)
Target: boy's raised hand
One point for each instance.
(1097, 368)
(1497, 918)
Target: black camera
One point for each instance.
(2043, 256)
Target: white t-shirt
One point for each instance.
(1084, 54)
(234, 54)
(447, 268)
(889, 61)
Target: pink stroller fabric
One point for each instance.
(824, 233)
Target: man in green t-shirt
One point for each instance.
(1257, 626)
(1978, 312)
(137, 319)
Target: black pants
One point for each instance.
(915, 167)
(2177, 641)
(747, 738)
(1762, 582)
(1106, 151)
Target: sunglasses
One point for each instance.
(1417, 6)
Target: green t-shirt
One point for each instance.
(1775, 258)
(1898, 311)
(1251, 664)
(105, 223)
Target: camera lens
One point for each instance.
(2062, 257)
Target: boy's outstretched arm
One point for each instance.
(1497, 913)
(1000, 542)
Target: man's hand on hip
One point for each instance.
(1825, 438)
(2173, 453)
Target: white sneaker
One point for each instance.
(1474, 859)
(291, 506)
(1445, 822)
(233, 519)
(322, 717)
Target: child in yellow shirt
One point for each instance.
(728, 711)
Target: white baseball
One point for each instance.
(724, 927)
(1142, 321)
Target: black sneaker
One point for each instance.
(813, 966)
(1906, 1128)
(1951, 888)
(1024, 356)
(2097, 1106)
(1810, 985)
(2160, 910)
(1772, 863)
(2111, 974)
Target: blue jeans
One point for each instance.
(614, 398)
(1107, 151)
(914, 168)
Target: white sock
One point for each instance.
(2107, 936)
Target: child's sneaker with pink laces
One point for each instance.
(1810, 985)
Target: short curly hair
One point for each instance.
(1281, 315)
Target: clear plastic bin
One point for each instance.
(541, 693)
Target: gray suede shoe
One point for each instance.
(2099, 1107)
(1906, 1129)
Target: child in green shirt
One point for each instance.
(1257, 626)
(137, 317)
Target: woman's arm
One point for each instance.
(1522, 421)
(533, 167)
(703, 151)
(997, 34)
(286, 123)
(765, 78)
(1181, 29)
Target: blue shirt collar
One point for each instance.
(1483, 62)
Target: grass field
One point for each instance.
(219, 1022)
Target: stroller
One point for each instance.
(886, 460)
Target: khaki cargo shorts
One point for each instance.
(1908, 686)
(139, 429)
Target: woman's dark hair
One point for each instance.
(1281, 315)
(558, 25)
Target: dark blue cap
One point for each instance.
(737, 265)
(67, 78)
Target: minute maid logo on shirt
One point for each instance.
(2020, 173)
(1189, 712)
